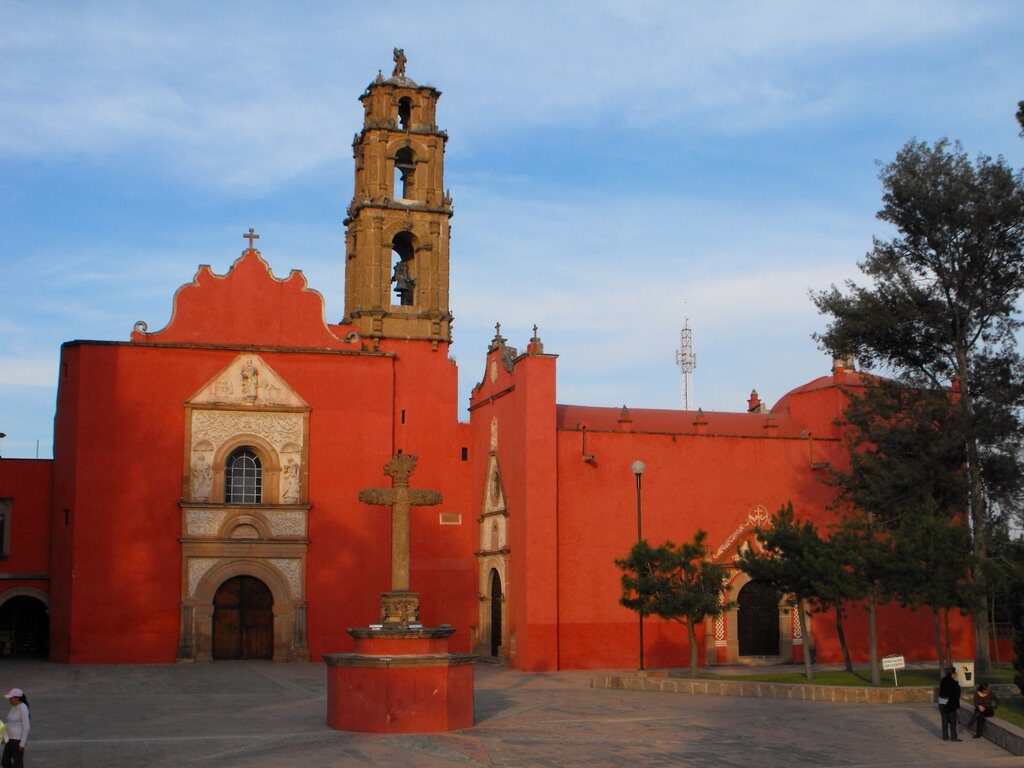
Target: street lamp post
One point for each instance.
(638, 468)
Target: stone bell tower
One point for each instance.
(396, 249)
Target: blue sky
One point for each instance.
(615, 167)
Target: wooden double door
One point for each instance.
(758, 620)
(243, 620)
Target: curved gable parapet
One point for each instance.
(246, 306)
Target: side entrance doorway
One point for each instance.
(243, 620)
(24, 627)
(495, 612)
(758, 620)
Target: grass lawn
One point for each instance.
(862, 676)
(841, 677)
(1012, 710)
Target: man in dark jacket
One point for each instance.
(949, 704)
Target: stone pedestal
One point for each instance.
(400, 680)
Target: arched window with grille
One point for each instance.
(243, 477)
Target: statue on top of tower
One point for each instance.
(400, 61)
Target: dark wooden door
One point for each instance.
(758, 620)
(495, 612)
(24, 627)
(243, 620)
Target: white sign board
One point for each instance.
(890, 663)
(965, 673)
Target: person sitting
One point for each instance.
(985, 703)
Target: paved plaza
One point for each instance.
(264, 714)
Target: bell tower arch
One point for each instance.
(396, 245)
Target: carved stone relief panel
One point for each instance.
(287, 523)
(277, 428)
(210, 429)
(248, 381)
(197, 568)
(291, 567)
(204, 522)
(291, 463)
(202, 469)
(245, 531)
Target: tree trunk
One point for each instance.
(979, 528)
(995, 635)
(945, 620)
(805, 625)
(938, 641)
(694, 655)
(842, 639)
(876, 673)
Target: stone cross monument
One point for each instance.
(400, 607)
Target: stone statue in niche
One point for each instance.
(202, 479)
(290, 482)
(250, 381)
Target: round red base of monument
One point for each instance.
(400, 681)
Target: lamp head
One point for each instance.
(637, 467)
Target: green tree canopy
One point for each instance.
(679, 583)
(942, 311)
(795, 560)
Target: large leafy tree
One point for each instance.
(902, 499)
(941, 311)
(796, 561)
(679, 583)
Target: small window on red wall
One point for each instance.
(243, 477)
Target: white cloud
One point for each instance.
(244, 97)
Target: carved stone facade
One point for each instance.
(247, 405)
(493, 557)
(722, 632)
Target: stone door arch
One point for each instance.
(782, 614)
(24, 622)
(284, 606)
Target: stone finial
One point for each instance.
(251, 235)
(625, 420)
(498, 341)
(842, 363)
(700, 423)
(536, 346)
(754, 401)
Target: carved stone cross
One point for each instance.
(400, 607)
(251, 236)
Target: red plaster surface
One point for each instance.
(248, 305)
(119, 446)
(429, 699)
(28, 483)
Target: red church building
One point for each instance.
(202, 502)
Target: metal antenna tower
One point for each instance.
(687, 361)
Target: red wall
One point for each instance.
(28, 483)
(702, 473)
(122, 419)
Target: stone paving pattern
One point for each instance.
(264, 714)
